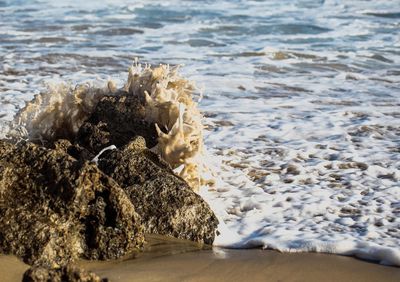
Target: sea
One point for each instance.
(301, 104)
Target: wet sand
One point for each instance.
(11, 268)
(177, 260)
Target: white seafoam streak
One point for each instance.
(319, 182)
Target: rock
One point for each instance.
(167, 205)
(74, 150)
(165, 202)
(116, 120)
(57, 206)
(54, 208)
(67, 273)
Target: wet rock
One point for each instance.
(76, 151)
(165, 202)
(56, 205)
(116, 120)
(67, 273)
(54, 208)
(167, 205)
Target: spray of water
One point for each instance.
(169, 102)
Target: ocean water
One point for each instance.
(301, 104)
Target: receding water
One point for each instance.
(302, 103)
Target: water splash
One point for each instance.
(169, 103)
(56, 113)
(171, 106)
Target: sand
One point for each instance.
(11, 269)
(176, 260)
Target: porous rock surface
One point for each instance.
(67, 273)
(57, 205)
(165, 202)
(115, 121)
(54, 209)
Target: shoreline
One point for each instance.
(168, 259)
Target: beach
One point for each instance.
(166, 259)
(281, 117)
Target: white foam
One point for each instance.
(307, 185)
(96, 158)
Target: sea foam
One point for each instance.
(62, 109)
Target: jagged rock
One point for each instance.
(78, 152)
(167, 205)
(115, 121)
(54, 209)
(165, 202)
(57, 206)
(67, 273)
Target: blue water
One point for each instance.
(49, 38)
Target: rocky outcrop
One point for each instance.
(165, 202)
(55, 209)
(67, 273)
(58, 205)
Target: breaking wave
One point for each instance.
(169, 103)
